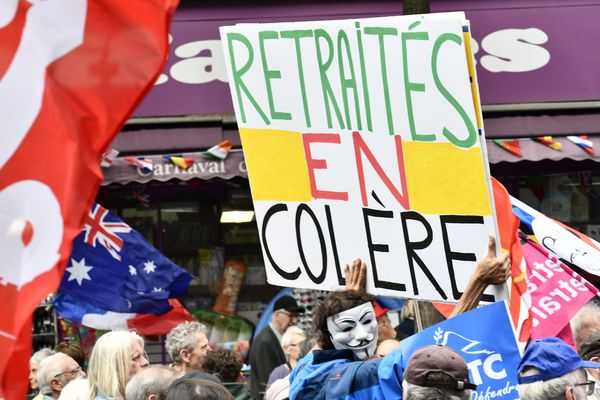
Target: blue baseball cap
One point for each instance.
(553, 358)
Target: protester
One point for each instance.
(291, 342)
(77, 389)
(34, 364)
(590, 351)
(585, 322)
(386, 347)
(436, 373)
(385, 330)
(266, 352)
(187, 345)
(227, 366)
(406, 327)
(197, 389)
(278, 390)
(55, 372)
(347, 335)
(72, 350)
(116, 357)
(150, 383)
(551, 369)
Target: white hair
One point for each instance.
(288, 335)
(551, 389)
(39, 355)
(50, 367)
(153, 380)
(77, 389)
(183, 336)
(585, 321)
(416, 392)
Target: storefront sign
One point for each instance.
(518, 50)
(204, 167)
(347, 159)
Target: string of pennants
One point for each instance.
(513, 146)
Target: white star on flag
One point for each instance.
(79, 271)
(132, 270)
(157, 290)
(149, 266)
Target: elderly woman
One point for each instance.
(291, 341)
(116, 357)
(34, 365)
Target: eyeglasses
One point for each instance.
(589, 387)
(289, 314)
(75, 371)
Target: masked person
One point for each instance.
(346, 326)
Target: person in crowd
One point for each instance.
(150, 383)
(279, 390)
(227, 366)
(116, 357)
(347, 336)
(34, 364)
(436, 373)
(291, 342)
(187, 345)
(55, 372)
(72, 350)
(386, 347)
(585, 322)
(197, 389)
(406, 327)
(385, 330)
(266, 352)
(589, 350)
(551, 369)
(77, 389)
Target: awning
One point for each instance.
(163, 170)
(534, 151)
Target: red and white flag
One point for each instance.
(71, 73)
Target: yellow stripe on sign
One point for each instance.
(445, 179)
(276, 164)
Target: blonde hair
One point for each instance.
(110, 364)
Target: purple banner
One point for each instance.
(526, 51)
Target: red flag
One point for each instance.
(71, 74)
(150, 325)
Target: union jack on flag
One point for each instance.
(98, 230)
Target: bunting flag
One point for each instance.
(520, 298)
(181, 162)
(573, 248)
(583, 142)
(141, 197)
(77, 310)
(220, 151)
(145, 164)
(512, 146)
(548, 141)
(79, 67)
(108, 157)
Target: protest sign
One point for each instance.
(557, 293)
(485, 339)
(363, 139)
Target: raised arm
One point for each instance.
(356, 276)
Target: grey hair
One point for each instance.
(49, 369)
(585, 321)
(552, 389)
(39, 355)
(183, 337)
(416, 392)
(288, 335)
(152, 380)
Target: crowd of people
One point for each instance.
(352, 353)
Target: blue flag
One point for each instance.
(114, 268)
(484, 337)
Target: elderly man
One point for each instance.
(437, 373)
(347, 334)
(551, 369)
(589, 350)
(54, 374)
(187, 345)
(586, 322)
(266, 352)
(150, 383)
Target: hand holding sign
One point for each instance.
(493, 270)
(357, 276)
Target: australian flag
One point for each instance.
(113, 267)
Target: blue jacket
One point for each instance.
(336, 374)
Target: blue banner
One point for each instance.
(484, 337)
